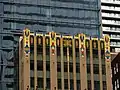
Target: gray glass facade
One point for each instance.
(66, 16)
(61, 16)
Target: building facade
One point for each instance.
(111, 21)
(70, 16)
(53, 61)
(63, 16)
(116, 72)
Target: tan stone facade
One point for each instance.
(62, 62)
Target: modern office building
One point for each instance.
(53, 61)
(116, 72)
(63, 16)
(111, 22)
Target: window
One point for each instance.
(104, 85)
(47, 53)
(31, 65)
(65, 67)
(9, 72)
(39, 53)
(103, 69)
(71, 67)
(40, 82)
(48, 13)
(77, 55)
(88, 68)
(40, 65)
(78, 85)
(89, 85)
(48, 65)
(32, 81)
(48, 83)
(70, 54)
(71, 84)
(96, 68)
(66, 83)
(58, 51)
(77, 67)
(88, 56)
(96, 85)
(65, 53)
(58, 66)
(59, 84)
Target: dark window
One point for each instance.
(39, 41)
(88, 68)
(65, 66)
(71, 67)
(87, 53)
(59, 84)
(40, 82)
(70, 51)
(58, 67)
(48, 83)
(70, 54)
(31, 65)
(58, 54)
(66, 83)
(77, 52)
(8, 38)
(95, 49)
(96, 68)
(102, 54)
(65, 51)
(40, 65)
(48, 65)
(77, 55)
(95, 54)
(32, 81)
(89, 85)
(31, 49)
(40, 53)
(39, 50)
(104, 85)
(47, 50)
(78, 1)
(71, 85)
(103, 69)
(78, 84)
(58, 51)
(96, 85)
(77, 67)
(10, 84)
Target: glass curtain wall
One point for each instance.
(70, 16)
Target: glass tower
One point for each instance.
(61, 16)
